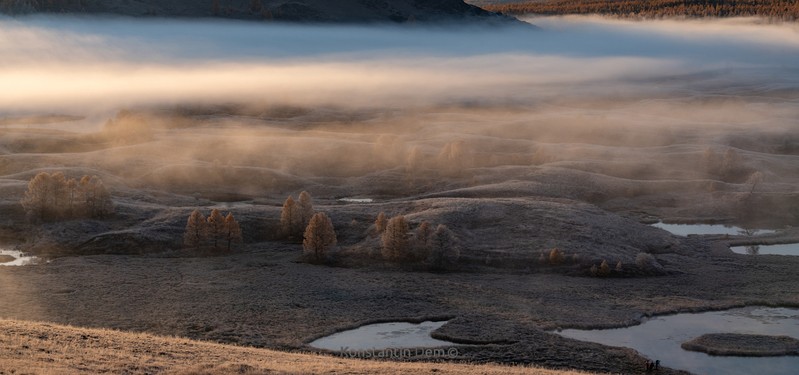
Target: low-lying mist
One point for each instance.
(593, 109)
(86, 65)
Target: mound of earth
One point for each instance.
(277, 10)
(519, 229)
(734, 344)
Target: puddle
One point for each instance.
(357, 200)
(660, 338)
(719, 229)
(20, 259)
(787, 249)
(383, 336)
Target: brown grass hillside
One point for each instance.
(42, 348)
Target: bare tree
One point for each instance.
(395, 239)
(422, 239)
(415, 160)
(755, 179)
(290, 218)
(381, 222)
(232, 230)
(102, 205)
(305, 207)
(96, 198)
(444, 251)
(36, 202)
(320, 237)
(196, 230)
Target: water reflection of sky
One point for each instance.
(19, 258)
(383, 336)
(686, 229)
(789, 249)
(661, 337)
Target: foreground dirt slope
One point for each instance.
(43, 348)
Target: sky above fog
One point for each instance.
(83, 64)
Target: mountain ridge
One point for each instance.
(342, 11)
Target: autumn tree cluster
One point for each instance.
(216, 231)
(556, 257)
(787, 10)
(298, 220)
(437, 248)
(53, 196)
(296, 215)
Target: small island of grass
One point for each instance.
(734, 344)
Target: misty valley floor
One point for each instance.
(515, 162)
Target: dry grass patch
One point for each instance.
(41, 348)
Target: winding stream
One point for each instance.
(660, 338)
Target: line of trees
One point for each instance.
(787, 10)
(437, 247)
(216, 231)
(53, 196)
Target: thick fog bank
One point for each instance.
(81, 65)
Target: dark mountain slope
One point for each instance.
(278, 10)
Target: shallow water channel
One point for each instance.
(788, 249)
(20, 259)
(659, 338)
(383, 336)
(718, 229)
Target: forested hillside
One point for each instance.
(774, 9)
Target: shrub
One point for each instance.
(604, 269)
(444, 252)
(646, 261)
(555, 257)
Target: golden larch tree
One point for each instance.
(216, 227)
(320, 237)
(196, 230)
(395, 239)
(232, 230)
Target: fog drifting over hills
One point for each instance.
(81, 65)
